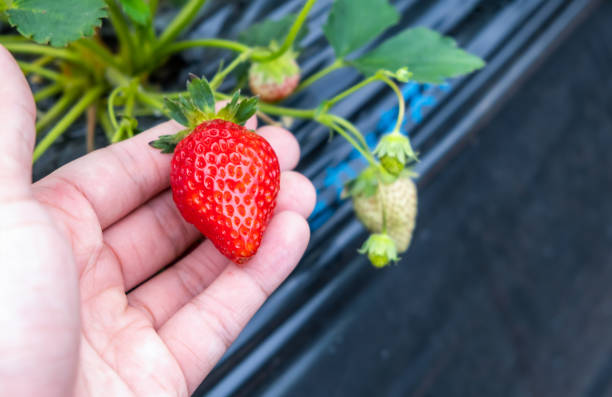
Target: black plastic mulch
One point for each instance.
(507, 288)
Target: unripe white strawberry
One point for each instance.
(398, 201)
(275, 80)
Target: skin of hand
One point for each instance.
(85, 306)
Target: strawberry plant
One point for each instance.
(80, 72)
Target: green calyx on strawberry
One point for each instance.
(394, 151)
(380, 249)
(383, 202)
(275, 80)
(224, 177)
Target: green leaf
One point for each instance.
(263, 33)
(430, 57)
(167, 143)
(354, 23)
(246, 109)
(176, 111)
(58, 22)
(5, 5)
(201, 94)
(137, 10)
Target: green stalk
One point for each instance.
(351, 128)
(219, 77)
(400, 100)
(29, 48)
(57, 109)
(282, 111)
(102, 52)
(293, 32)
(350, 139)
(129, 110)
(215, 43)
(179, 23)
(338, 63)
(150, 100)
(67, 121)
(48, 91)
(39, 70)
(105, 122)
(43, 60)
(122, 29)
(111, 106)
(330, 103)
(12, 38)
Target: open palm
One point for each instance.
(88, 304)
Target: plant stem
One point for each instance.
(184, 18)
(215, 43)
(123, 33)
(67, 121)
(338, 63)
(105, 122)
(43, 60)
(293, 32)
(330, 103)
(91, 128)
(350, 139)
(56, 110)
(102, 52)
(48, 91)
(218, 79)
(150, 100)
(351, 128)
(30, 48)
(12, 38)
(400, 100)
(282, 111)
(39, 70)
(111, 106)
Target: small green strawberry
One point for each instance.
(275, 80)
(377, 198)
(380, 249)
(395, 151)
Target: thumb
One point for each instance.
(17, 129)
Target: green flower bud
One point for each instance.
(380, 249)
(394, 151)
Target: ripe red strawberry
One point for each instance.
(224, 177)
(275, 80)
(224, 180)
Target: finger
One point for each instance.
(285, 145)
(17, 132)
(296, 194)
(155, 234)
(201, 331)
(163, 295)
(115, 179)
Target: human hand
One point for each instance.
(84, 307)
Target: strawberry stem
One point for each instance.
(178, 24)
(214, 43)
(58, 108)
(400, 100)
(123, 33)
(41, 71)
(48, 91)
(31, 48)
(291, 36)
(74, 113)
(219, 77)
(338, 63)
